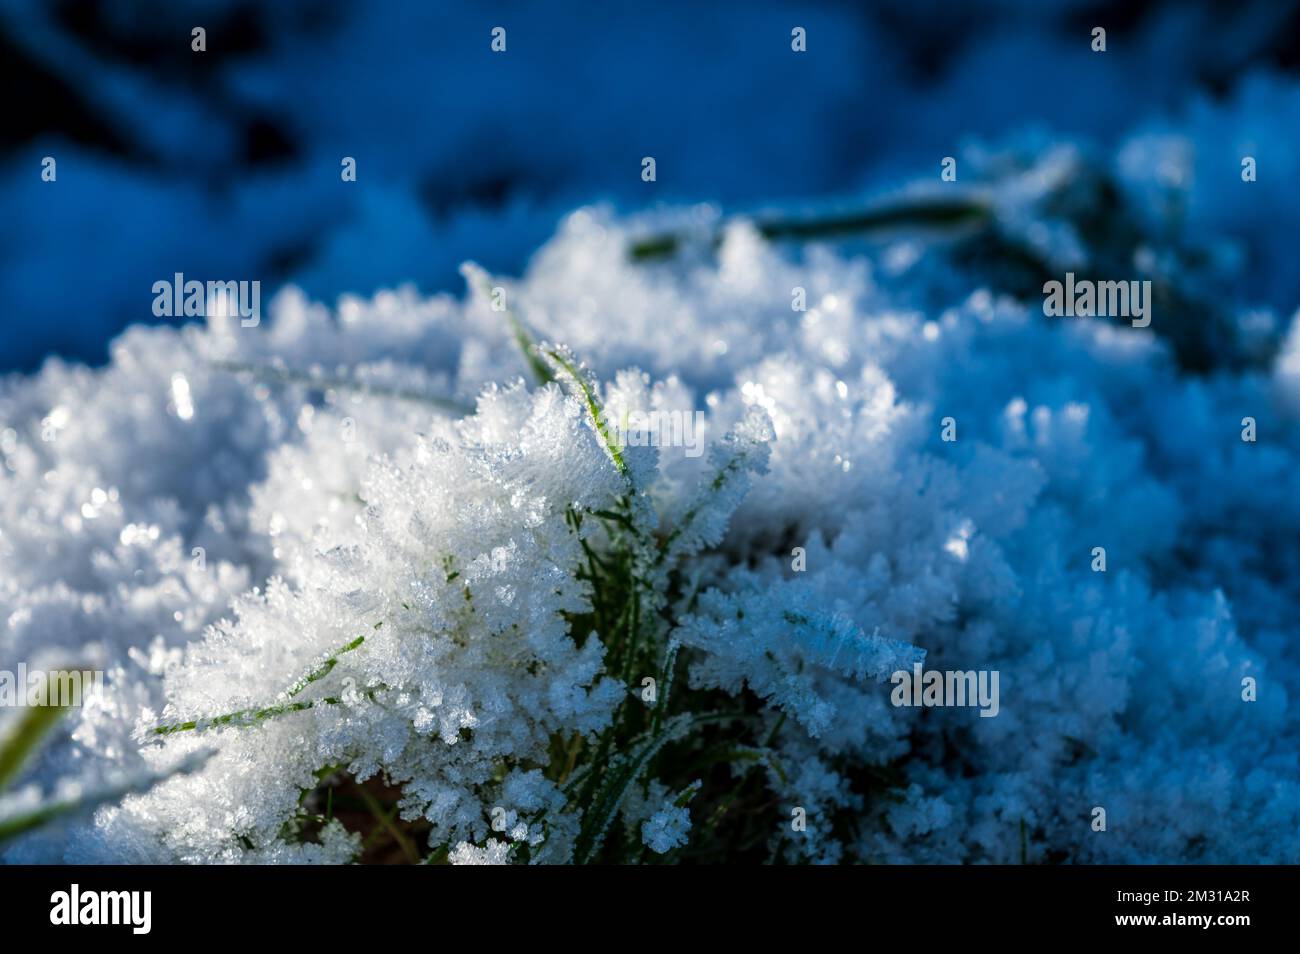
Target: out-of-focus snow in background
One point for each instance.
(224, 164)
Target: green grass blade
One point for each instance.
(21, 744)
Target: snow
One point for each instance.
(213, 515)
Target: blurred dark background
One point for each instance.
(225, 164)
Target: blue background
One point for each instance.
(225, 164)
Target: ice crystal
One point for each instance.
(411, 551)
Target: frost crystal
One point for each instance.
(666, 829)
(408, 555)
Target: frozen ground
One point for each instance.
(217, 510)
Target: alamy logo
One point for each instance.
(179, 298)
(947, 688)
(1089, 299)
(661, 429)
(35, 687)
(134, 908)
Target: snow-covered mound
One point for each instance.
(377, 540)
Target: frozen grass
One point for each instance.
(577, 649)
